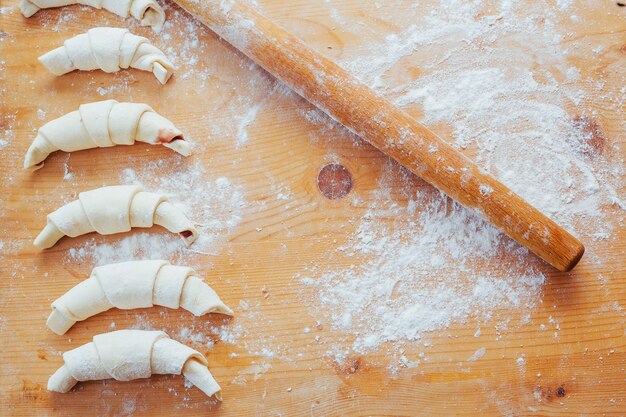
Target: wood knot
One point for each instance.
(334, 181)
(593, 140)
(547, 394)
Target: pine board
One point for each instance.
(580, 373)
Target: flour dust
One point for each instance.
(498, 80)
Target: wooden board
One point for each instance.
(253, 268)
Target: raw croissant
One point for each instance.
(147, 11)
(135, 284)
(103, 124)
(114, 209)
(125, 355)
(108, 49)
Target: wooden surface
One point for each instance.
(582, 372)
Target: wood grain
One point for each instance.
(579, 372)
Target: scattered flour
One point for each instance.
(417, 276)
(245, 121)
(188, 334)
(435, 264)
(7, 131)
(477, 355)
(185, 53)
(423, 263)
(214, 205)
(251, 374)
(139, 245)
(228, 334)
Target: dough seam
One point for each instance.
(126, 355)
(48, 141)
(109, 49)
(108, 210)
(30, 7)
(69, 57)
(103, 124)
(135, 284)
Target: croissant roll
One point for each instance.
(115, 209)
(104, 124)
(148, 12)
(125, 355)
(108, 49)
(135, 284)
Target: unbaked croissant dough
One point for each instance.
(148, 12)
(108, 49)
(135, 284)
(125, 355)
(114, 209)
(103, 124)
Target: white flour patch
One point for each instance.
(251, 374)
(251, 110)
(477, 355)
(186, 53)
(137, 246)
(228, 333)
(245, 121)
(198, 338)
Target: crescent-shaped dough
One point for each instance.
(135, 284)
(103, 124)
(148, 12)
(114, 209)
(125, 355)
(108, 49)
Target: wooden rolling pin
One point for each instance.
(387, 127)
